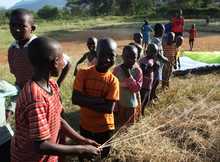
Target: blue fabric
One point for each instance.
(146, 29)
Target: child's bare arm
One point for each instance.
(98, 104)
(71, 133)
(47, 148)
(81, 60)
(64, 73)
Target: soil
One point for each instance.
(75, 45)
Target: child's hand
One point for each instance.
(89, 151)
(8, 114)
(126, 71)
(88, 141)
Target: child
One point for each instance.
(147, 64)
(169, 52)
(146, 30)
(6, 111)
(138, 39)
(22, 27)
(90, 56)
(39, 108)
(192, 36)
(178, 24)
(179, 42)
(159, 58)
(130, 79)
(96, 91)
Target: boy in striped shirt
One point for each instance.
(39, 108)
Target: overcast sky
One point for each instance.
(8, 3)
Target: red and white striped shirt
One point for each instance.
(38, 118)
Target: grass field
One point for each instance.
(184, 125)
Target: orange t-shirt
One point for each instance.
(92, 83)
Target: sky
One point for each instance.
(8, 3)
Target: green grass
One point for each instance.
(207, 57)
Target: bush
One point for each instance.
(48, 12)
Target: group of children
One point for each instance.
(107, 97)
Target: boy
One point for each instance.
(146, 30)
(90, 56)
(179, 43)
(38, 110)
(138, 39)
(178, 24)
(169, 52)
(159, 58)
(22, 27)
(6, 111)
(130, 79)
(192, 36)
(147, 64)
(96, 90)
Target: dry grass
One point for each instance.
(183, 126)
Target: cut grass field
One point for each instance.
(184, 125)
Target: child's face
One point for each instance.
(59, 61)
(129, 58)
(91, 45)
(21, 27)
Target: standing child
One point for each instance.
(146, 30)
(6, 111)
(96, 91)
(130, 79)
(22, 27)
(38, 111)
(192, 36)
(147, 64)
(160, 59)
(138, 39)
(179, 43)
(169, 52)
(178, 24)
(90, 57)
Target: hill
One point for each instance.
(35, 5)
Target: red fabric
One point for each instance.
(38, 118)
(177, 24)
(19, 65)
(192, 33)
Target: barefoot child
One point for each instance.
(96, 90)
(147, 64)
(90, 57)
(160, 59)
(130, 78)
(192, 36)
(179, 43)
(146, 30)
(169, 52)
(22, 27)
(38, 111)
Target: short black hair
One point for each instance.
(106, 46)
(21, 11)
(158, 27)
(130, 48)
(41, 51)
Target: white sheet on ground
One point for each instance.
(188, 63)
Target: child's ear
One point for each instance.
(33, 27)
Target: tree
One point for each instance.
(48, 12)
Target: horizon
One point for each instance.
(9, 3)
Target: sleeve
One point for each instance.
(37, 121)
(79, 80)
(10, 61)
(134, 84)
(113, 91)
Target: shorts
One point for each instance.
(158, 73)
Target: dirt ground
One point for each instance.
(75, 44)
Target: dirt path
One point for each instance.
(75, 44)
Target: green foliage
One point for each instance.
(48, 12)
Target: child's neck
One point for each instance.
(100, 69)
(42, 79)
(22, 43)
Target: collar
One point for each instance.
(15, 44)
